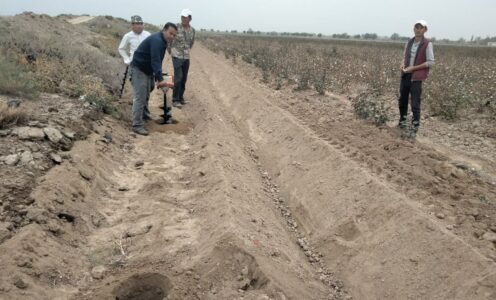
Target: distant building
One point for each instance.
(492, 44)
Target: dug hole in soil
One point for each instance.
(243, 199)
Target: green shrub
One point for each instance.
(102, 103)
(16, 80)
(320, 83)
(303, 81)
(372, 107)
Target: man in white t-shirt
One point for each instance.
(129, 44)
(132, 39)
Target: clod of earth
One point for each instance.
(135, 231)
(56, 158)
(30, 133)
(98, 272)
(20, 283)
(489, 236)
(86, 175)
(12, 159)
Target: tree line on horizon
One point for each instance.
(474, 40)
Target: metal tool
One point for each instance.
(123, 84)
(167, 116)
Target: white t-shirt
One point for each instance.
(130, 43)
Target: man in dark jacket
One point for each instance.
(418, 58)
(146, 68)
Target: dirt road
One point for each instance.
(254, 194)
(81, 19)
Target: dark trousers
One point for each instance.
(407, 88)
(181, 68)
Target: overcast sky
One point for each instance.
(447, 18)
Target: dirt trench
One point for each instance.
(239, 200)
(383, 241)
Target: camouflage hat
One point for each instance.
(136, 19)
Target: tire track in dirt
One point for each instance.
(384, 243)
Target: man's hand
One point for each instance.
(165, 84)
(408, 70)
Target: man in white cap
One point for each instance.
(418, 58)
(180, 51)
(128, 46)
(132, 39)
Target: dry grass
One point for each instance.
(15, 80)
(11, 116)
(64, 59)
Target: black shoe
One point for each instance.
(415, 125)
(182, 101)
(140, 131)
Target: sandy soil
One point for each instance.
(255, 194)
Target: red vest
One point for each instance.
(420, 58)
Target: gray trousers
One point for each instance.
(142, 85)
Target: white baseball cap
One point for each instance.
(186, 13)
(421, 22)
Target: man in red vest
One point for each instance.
(418, 58)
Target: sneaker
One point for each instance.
(182, 101)
(140, 131)
(177, 104)
(409, 135)
(415, 126)
(402, 124)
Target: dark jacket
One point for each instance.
(150, 54)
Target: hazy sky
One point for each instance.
(447, 18)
